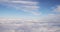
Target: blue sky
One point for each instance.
(9, 9)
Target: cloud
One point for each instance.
(57, 9)
(25, 2)
(53, 20)
(48, 23)
(26, 6)
(24, 24)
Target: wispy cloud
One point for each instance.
(26, 6)
(57, 9)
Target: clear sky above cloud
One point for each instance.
(30, 15)
(28, 8)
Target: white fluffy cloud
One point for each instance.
(49, 23)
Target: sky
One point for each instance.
(28, 8)
(30, 15)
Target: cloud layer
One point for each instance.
(49, 23)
